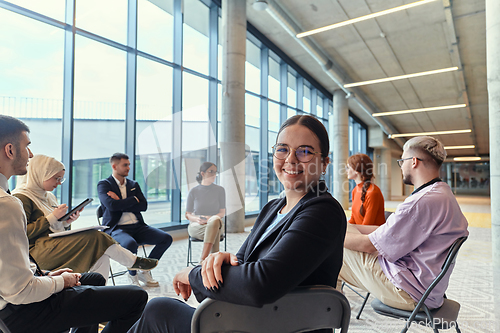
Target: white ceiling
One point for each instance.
(409, 41)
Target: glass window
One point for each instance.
(99, 111)
(154, 138)
(219, 51)
(252, 141)
(155, 28)
(274, 186)
(195, 39)
(50, 8)
(31, 84)
(290, 113)
(306, 99)
(319, 107)
(274, 80)
(252, 68)
(292, 90)
(195, 131)
(105, 18)
(252, 110)
(31, 80)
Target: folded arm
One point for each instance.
(133, 204)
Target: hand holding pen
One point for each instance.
(60, 211)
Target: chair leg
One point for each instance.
(363, 305)
(189, 252)
(456, 327)
(112, 276)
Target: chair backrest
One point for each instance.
(3, 327)
(450, 259)
(99, 213)
(304, 309)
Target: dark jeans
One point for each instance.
(82, 307)
(163, 314)
(132, 235)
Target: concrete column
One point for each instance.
(339, 141)
(493, 79)
(234, 29)
(384, 173)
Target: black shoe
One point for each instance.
(145, 264)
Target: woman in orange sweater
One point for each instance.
(367, 199)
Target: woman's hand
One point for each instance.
(211, 269)
(181, 283)
(74, 217)
(60, 211)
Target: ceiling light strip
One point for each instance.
(460, 147)
(400, 77)
(467, 158)
(435, 108)
(363, 18)
(392, 136)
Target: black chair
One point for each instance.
(3, 327)
(304, 309)
(190, 260)
(100, 212)
(444, 317)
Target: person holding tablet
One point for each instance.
(43, 213)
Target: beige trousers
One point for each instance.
(362, 270)
(210, 232)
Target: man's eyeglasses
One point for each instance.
(401, 161)
(60, 180)
(303, 154)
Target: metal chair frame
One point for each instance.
(302, 310)
(365, 297)
(190, 260)
(422, 314)
(99, 212)
(3, 327)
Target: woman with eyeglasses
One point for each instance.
(296, 240)
(205, 209)
(367, 199)
(84, 251)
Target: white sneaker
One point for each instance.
(145, 276)
(134, 279)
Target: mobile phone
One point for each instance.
(203, 217)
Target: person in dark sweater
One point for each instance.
(296, 240)
(205, 209)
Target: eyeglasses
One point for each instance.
(212, 172)
(303, 154)
(401, 161)
(60, 180)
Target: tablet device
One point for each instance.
(76, 208)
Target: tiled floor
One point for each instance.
(471, 282)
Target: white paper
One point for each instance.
(74, 231)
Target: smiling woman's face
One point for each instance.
(293, 174)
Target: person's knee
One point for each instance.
(167, 239)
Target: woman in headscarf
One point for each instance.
(84, 251)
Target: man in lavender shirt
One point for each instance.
(397, 261)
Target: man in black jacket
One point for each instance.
(123, 202)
